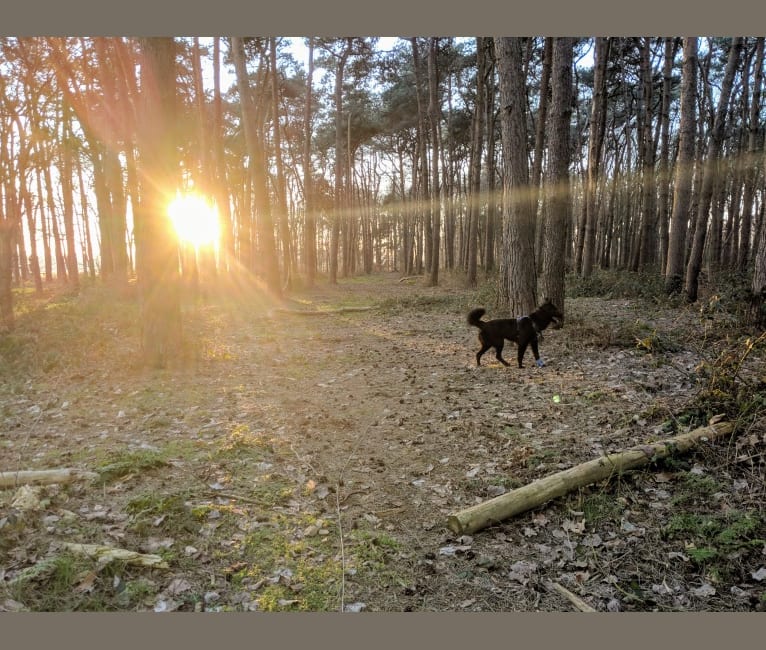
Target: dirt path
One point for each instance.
(320, 456)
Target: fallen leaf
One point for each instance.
(27, 498)
(704, 591)
(760, 574)
(178, 586)
(495, 491)
(10, 605)
(354, 607)
(573, 526)
(453, 550)
(87, 583)
(168, 605)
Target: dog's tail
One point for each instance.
(474, 317)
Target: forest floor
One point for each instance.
(310, 462)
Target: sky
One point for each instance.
(297, 48)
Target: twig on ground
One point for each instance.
(578, 602)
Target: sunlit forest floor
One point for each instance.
(310, 462)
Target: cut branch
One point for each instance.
(550, 487)
(44, 477)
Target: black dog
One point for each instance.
(525, 331)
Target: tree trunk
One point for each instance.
(595, 147)
(647, 254)
(751, 173)
(706, 192)
(340, 150)
(156, 244)
(519, 288)
(7, 320)
(477, 138)
(489, 235)
(423, 194)
(558, 202)
(280, 189)
(67, 191)
(671, 46)
(222, 198)
(537, 165)
(758, 286)
(310, 243)
(267, 247)
(684, 170)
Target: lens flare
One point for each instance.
(194, 219)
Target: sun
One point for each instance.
(194, 219)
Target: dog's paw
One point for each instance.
(539, 363)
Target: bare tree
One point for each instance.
(684, 169)
(595, 147)
(310, 243)
(267, 246)
(709, 173)
(434, 113)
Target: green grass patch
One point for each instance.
(242, 443)
(122, 463)
(605, 283)
(695, 489)
(709, 539)
(303, 573)
(168, 513)
(600, 508)
(69, 582)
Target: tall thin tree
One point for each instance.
(557, 183)
(519, 282)
(682, 189)
(694, 265)
(156, 243)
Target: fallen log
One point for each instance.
(320, 312)
(550, 487)
(44, 477)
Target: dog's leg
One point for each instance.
(484, 348)
(522, 349)
(538, 361)
(499, 354)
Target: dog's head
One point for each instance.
(552, 312)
